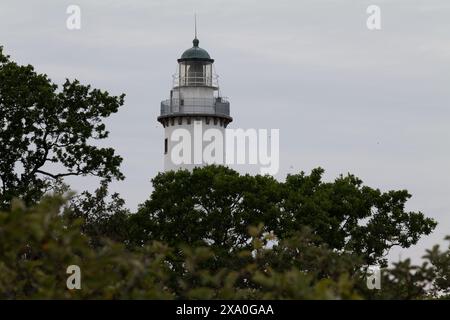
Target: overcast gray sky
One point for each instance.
(373, 103)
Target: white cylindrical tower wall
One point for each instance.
(192, 127)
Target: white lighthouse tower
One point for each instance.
(195, 104)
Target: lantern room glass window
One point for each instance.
(195, 73)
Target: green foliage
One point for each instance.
(352, 217)
(439, 265)
(39, 243)
(104, 215)
(43, 128)
(430, 280)
(214, 206)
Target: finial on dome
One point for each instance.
(195, 42)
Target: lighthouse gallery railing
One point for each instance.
(213, 106)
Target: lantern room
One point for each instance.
(195, 68)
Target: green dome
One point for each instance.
(195, 52)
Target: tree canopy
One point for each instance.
(214, 206)
(48, 133)
(38, 244)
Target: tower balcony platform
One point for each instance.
(214, 107)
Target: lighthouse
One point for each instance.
(194, 106)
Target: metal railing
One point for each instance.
(213, 106)
(195, 79)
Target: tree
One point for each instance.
(430, 280)
(103, 215)
(352, 217)
(47, 134)
(38, 244)
(213, 206)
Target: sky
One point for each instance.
(374, 103)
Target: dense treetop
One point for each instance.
(48, 133)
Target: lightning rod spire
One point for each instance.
(195, 24)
